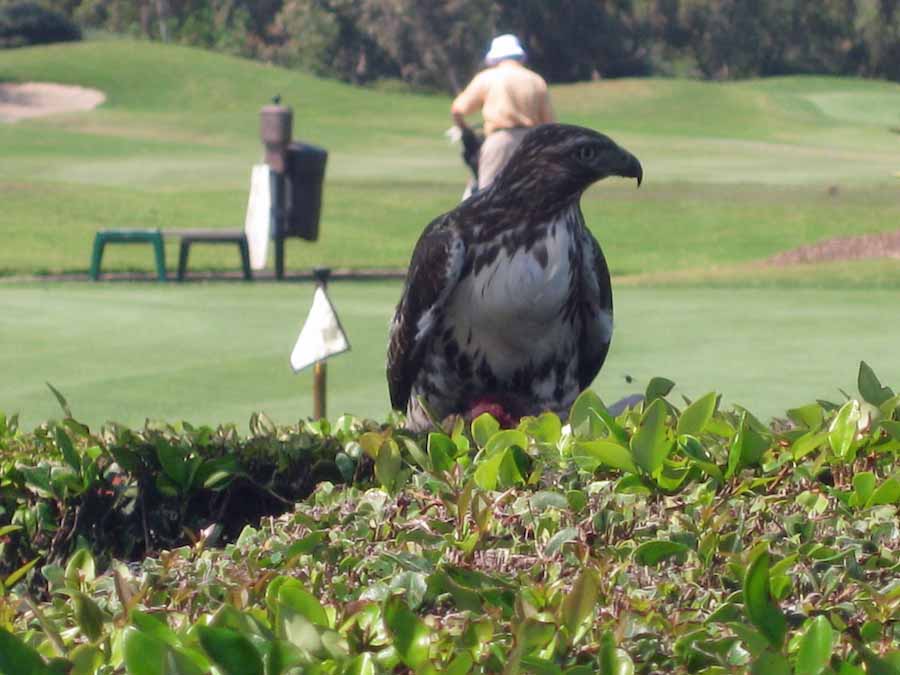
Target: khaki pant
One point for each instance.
(495, 153)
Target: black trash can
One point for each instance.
(305, 173)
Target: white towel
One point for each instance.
(256, 223)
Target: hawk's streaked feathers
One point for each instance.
(507, 302)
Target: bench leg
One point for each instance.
(245, 259)
(160, 252)
(183, 253)
(97, 256)
(279, 258)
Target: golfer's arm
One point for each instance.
(469, 101)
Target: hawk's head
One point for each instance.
(557, 162)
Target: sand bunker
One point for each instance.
(881, 245)
(36, 99)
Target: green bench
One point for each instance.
(131, 236)
(189, 237)
(155, 238)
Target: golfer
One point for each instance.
(512, 99)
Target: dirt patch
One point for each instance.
(37, 99)
(880, 245)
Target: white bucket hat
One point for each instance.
(504, 47)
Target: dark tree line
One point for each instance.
(438, 44)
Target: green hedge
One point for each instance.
(124, 493)
(675, 537)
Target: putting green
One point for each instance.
(211, 353)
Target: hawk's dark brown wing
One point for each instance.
(597, 311)
(434, 271)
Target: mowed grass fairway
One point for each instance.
(216, 353)
(734, 172)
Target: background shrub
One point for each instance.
(28, 23)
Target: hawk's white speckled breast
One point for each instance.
(513, 305)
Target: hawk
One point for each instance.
(507, 305)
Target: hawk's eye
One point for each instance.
(587, 153)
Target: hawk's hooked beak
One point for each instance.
(630, 167)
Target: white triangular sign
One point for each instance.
(321, 336)
(256, 222)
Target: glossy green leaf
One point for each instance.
(155, 627)
(816, 643)
(843, 428)
(64, 443)
(460, 665)
(697, 415)
(175, 463)
(583, 417)
(503, 440)
(487, 472)
(147, 655)
(590, 455)
(80, 568)
(557, 540)
(580, 600)
(413, 585)
(886, 493)
(577, 500)
(545, 429)
(371, 443)
(658, 387)
(807, 443)
(63, 403)
(388, 465)
(441, 451)
(892, 427)
(303, 602)
(17, 575)
(411, 635)
(483, 427)
(613, 661)
(17, 658)
(863, 487)
(417, 455)
(651, 553)
(215, 474)
(534, 634)
(336, 645)
(747, 446)
(87, 615)
(649, 445)
(514, 468)
(37, 478)
(770, 663)
(306, 545)
(810, 416)
(281, 656)
(534, 665)
(230, 651)
(546, 499)
(758, 602)
(364, 664)
(86, 660)
(870, 387)
(877, 665)
(693, 449)
(301, 632)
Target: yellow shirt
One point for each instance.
(509, 95)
